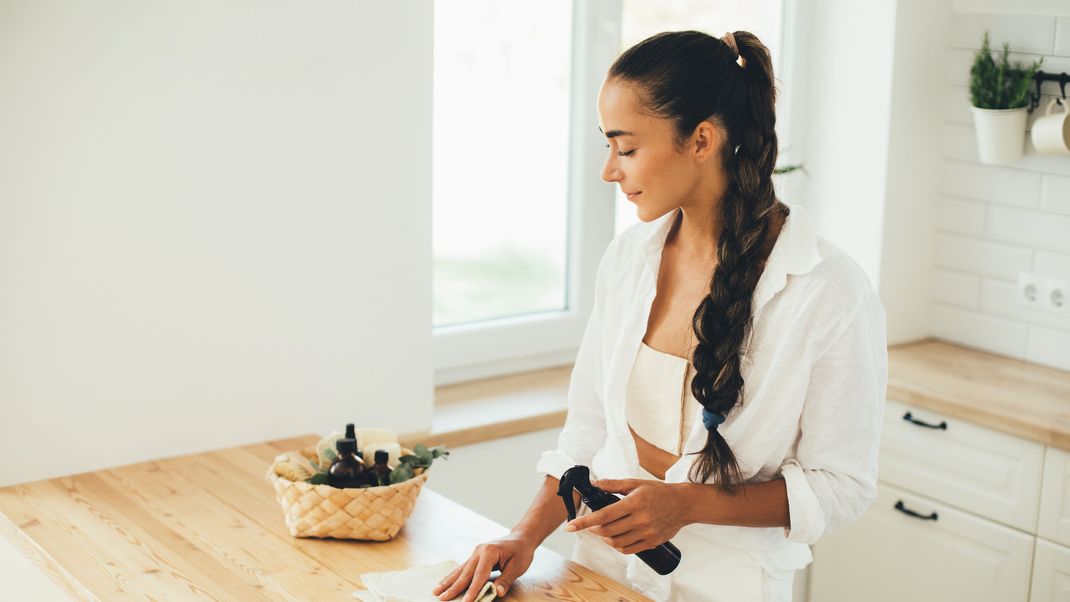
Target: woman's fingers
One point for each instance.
(458, 582)
(446, 581)
(480, 576)
(613, 528)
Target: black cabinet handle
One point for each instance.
(909, 418)
(900, 507)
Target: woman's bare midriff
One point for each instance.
(652, 458)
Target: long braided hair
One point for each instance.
(689, 77)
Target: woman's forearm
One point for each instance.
(545, 514)
(755, 505)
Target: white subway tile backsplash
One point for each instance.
(982, 256)
(1055, 193)
(1049, 347)
(1028, 227)
(994, 221)
(1000, 297)
(976, 329)
(1053, 265)
(1024, 33)
(957, 288)
(992, 183)
(1062, 37)
(960, 215)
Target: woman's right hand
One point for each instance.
(511, 554)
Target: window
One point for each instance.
(520, 213)
(500, 175)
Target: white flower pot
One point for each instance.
(1000, 134)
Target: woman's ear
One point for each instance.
(706, 141)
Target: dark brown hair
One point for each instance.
(689, 77)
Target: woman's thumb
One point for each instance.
(504, 581)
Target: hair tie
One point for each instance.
(730, 40)
(711, 419)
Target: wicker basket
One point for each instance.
(370, 513)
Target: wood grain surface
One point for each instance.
(207, 527)
(1007, 395)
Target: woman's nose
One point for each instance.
(610, 173)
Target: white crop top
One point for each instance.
(658, 400)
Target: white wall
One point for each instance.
(214, 226)
(994, 221)
(845, 127)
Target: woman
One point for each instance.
(730, 381)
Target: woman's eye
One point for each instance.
(624, 154)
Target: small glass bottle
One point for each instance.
(351, 433)
(348, 468)
(379, 474)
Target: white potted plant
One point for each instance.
(999, 95)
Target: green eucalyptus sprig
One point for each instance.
(421, 457)
(997, 84)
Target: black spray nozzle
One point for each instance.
(579, 478)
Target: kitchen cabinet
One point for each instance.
(941, 554)
(1051, 573)
(955, 517)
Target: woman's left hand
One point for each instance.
(650, 513)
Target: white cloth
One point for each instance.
(413, 585)
(660, 406)
(815, 372)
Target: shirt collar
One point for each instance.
(794, 252)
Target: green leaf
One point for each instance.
(320, 478)
(999, 84)
(403, 472)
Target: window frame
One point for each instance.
(490, 348)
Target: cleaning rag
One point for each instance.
(413, 585)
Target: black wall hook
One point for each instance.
(1041, 77)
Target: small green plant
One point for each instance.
(997, 84)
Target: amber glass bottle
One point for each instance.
(348, 468)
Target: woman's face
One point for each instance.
(643, 160)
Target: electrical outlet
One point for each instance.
(1056, 296)
(1029, 291)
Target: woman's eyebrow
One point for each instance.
(615, 133)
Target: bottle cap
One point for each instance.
(346, 446)
(351, 432)
(381, 456)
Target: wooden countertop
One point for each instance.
(1004, 394)
(207, 526)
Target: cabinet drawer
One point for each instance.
(939, 553)
(994, 475)
(1054, 520)
(1051, 572)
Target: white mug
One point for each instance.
(1051, 131)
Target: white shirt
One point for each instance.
(815, 372)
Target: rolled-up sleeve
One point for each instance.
(584, 431)
(832, 479)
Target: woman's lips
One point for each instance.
(631, 195)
